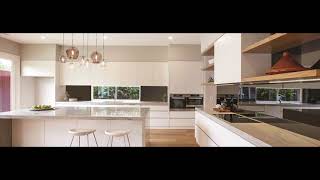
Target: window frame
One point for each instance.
(116, 95)
(277, 95)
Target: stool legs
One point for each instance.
(110, 139)
(95, 139)
(71, 141)
(88, 140)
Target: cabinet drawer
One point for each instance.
(157, 108)
(155, 122)
(181, 122)
(219, 134)
(182, 114)
(202, 139)
(159, 114)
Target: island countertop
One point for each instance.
(273, 135)
(88, 113)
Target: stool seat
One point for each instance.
(117, 133)
(81, 132)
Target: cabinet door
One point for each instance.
(185, 77)
(202, 139)
(38, 68)
(56, 132)
(27, 133)
(227, 67)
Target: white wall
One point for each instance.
(27, 92)
(44, 91)
(185, 77)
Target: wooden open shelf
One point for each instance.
(209, 51)
(208, 68)
(280, 41)
(208, 84)
(308, 74)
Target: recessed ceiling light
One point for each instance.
(170, 37)
(43, 36)
(105, 37)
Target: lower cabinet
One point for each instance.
(182, 119)
(202, 139)
(28, 133)
(220, 135)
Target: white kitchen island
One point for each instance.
(50, 128)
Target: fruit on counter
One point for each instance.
(41, 107)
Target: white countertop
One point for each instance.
(87, 113)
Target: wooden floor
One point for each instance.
(171, 138)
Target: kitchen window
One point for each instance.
(278, 95)
(116, 93)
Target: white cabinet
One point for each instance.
(38, 68)
(117, 74)
(185, 77)
(182, 119)
(202, 139)
(158, 117)
(208, 39)
(231, 66)
(227, 55)
(219, 134)
(28, 133)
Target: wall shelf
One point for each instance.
(280, 41)
(209, 51)
(308, 74)
(208, 68)
(208, 84)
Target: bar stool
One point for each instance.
(82, 132)
(118, 133)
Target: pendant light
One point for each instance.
(87, 59)
(96, 56)
(73, 52)
(103, 63)
(63, 58)
(82, 58)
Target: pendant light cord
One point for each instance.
(96, 42)
(63, 42)
(83, 44)
(87, 44)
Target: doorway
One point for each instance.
(5, 84)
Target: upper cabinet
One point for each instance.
(117, 74)
(231, 65)
(185, 77)
(207, 43)
(38, 60)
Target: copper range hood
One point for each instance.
(286, 64)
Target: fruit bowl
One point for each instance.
(41, 108)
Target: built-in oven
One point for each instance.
(177, 101)
(194, 100)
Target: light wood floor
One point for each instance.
(171, 138)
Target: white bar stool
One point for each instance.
(118, 133)
(82, 132)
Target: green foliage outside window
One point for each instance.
(109, 92)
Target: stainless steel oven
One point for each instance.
(177, 101)
(182, 101)
(194, 100)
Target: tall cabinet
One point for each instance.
(231, 65)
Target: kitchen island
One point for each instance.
(50, 128)
(259, 130)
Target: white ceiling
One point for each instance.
(117, 39)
